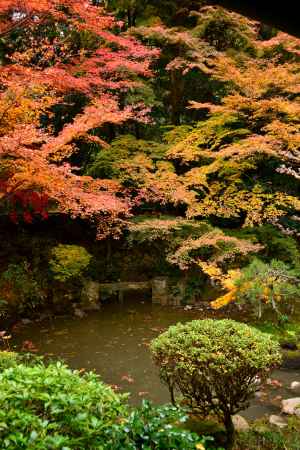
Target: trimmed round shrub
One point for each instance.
(216, 365)
(68, 261)
(52, 407)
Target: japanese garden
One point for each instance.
(149, 227)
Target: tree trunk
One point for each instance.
(108, 255)
(137, 130)
(176, 95)
(230, 432)
(131, 17)
(172, 395)
(134, 15)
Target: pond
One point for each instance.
(114, 342)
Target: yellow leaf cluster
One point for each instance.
(228, 282)
(22, 105)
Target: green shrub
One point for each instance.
(52, 407)
(108, 162)
(12, 359)
(19, 289)
(152, 427)
(8, 359)
(68, 261)
(215, 365)
(275, 243)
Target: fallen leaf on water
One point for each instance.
(274, 383)
(200, 446)
(142, 394)
(127, 378)
(29, 347)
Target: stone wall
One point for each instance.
(164, 292)
(160, 291)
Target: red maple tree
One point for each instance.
(64, 46)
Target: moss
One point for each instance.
(291, 359)
(264, 436)
(292, 354)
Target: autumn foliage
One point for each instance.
(63, 47)
(192, 128)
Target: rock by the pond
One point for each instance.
(26, 321)
(260, 395)
(188, 308)
(278, 421)
(291, 406)
(79, 313)
(42, 317)
(291, 360)
(274, 383)
(90, 296)
(295, 386)
(289, 346)
(240, 424)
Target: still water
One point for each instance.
(114, 342)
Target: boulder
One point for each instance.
(289, 346)
(79, 313)
(260, 395)
(278, 421)
(188, 308)
(291, 360)
(160, 291)
(291, 406)
(26, 321)
(295, 386)
(90, 296)
(240, 424)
